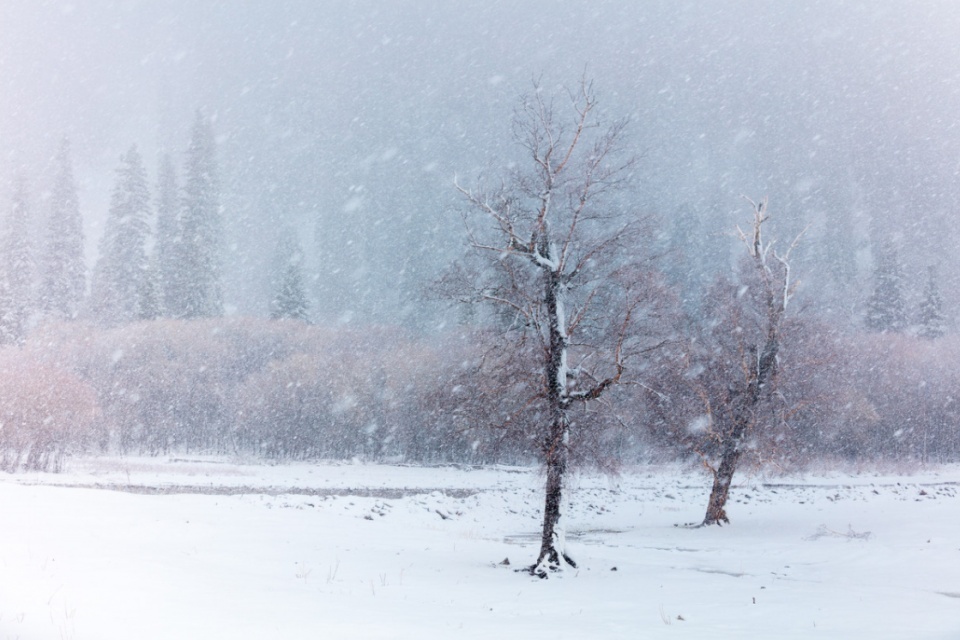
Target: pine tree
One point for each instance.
(16, 269)
(170, 290)
(694, 254)
(931, 318)
(834, 267)
(202, 228)
(148, 306)
(290, 299)
(840, 249)
(63, 269)
(886, 310)
(121, 278)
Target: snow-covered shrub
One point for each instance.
(912, 386)
(164, 385)
(276, 389)
(44, 412)
(284, 410)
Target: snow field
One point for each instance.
(380, 551)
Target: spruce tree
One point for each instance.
(202, 228)
(148, 301)
(16, 269)
(931, 319)
(835, 264)
(121, 277)
(886, 310)
(170, 290)
(839, 249)
(693, 253)
(290, 298)
(62, 266)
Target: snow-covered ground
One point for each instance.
(217, 549)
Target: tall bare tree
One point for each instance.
(551, 238)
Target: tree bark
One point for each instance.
(552, 539)
(722, 479)
(542, 217)
(743, 416)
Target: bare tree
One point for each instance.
(551, 241)
(743, 360)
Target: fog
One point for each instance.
(240, 229)
(348, 122)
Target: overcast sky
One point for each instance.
(365, 110)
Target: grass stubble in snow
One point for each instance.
(216, 549)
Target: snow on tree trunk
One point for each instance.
(555, 453)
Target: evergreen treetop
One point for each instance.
(121, 276)
(202, 227)
(886, 310)
(931, 319)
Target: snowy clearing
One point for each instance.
(218, 549)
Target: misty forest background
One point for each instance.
(226, 226)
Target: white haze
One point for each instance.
(349, 120)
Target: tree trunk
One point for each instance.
(722, 479)
(553, 539)
(744, 408)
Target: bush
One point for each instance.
(45, 412)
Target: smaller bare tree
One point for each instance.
(739, 382)
(556, 253)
